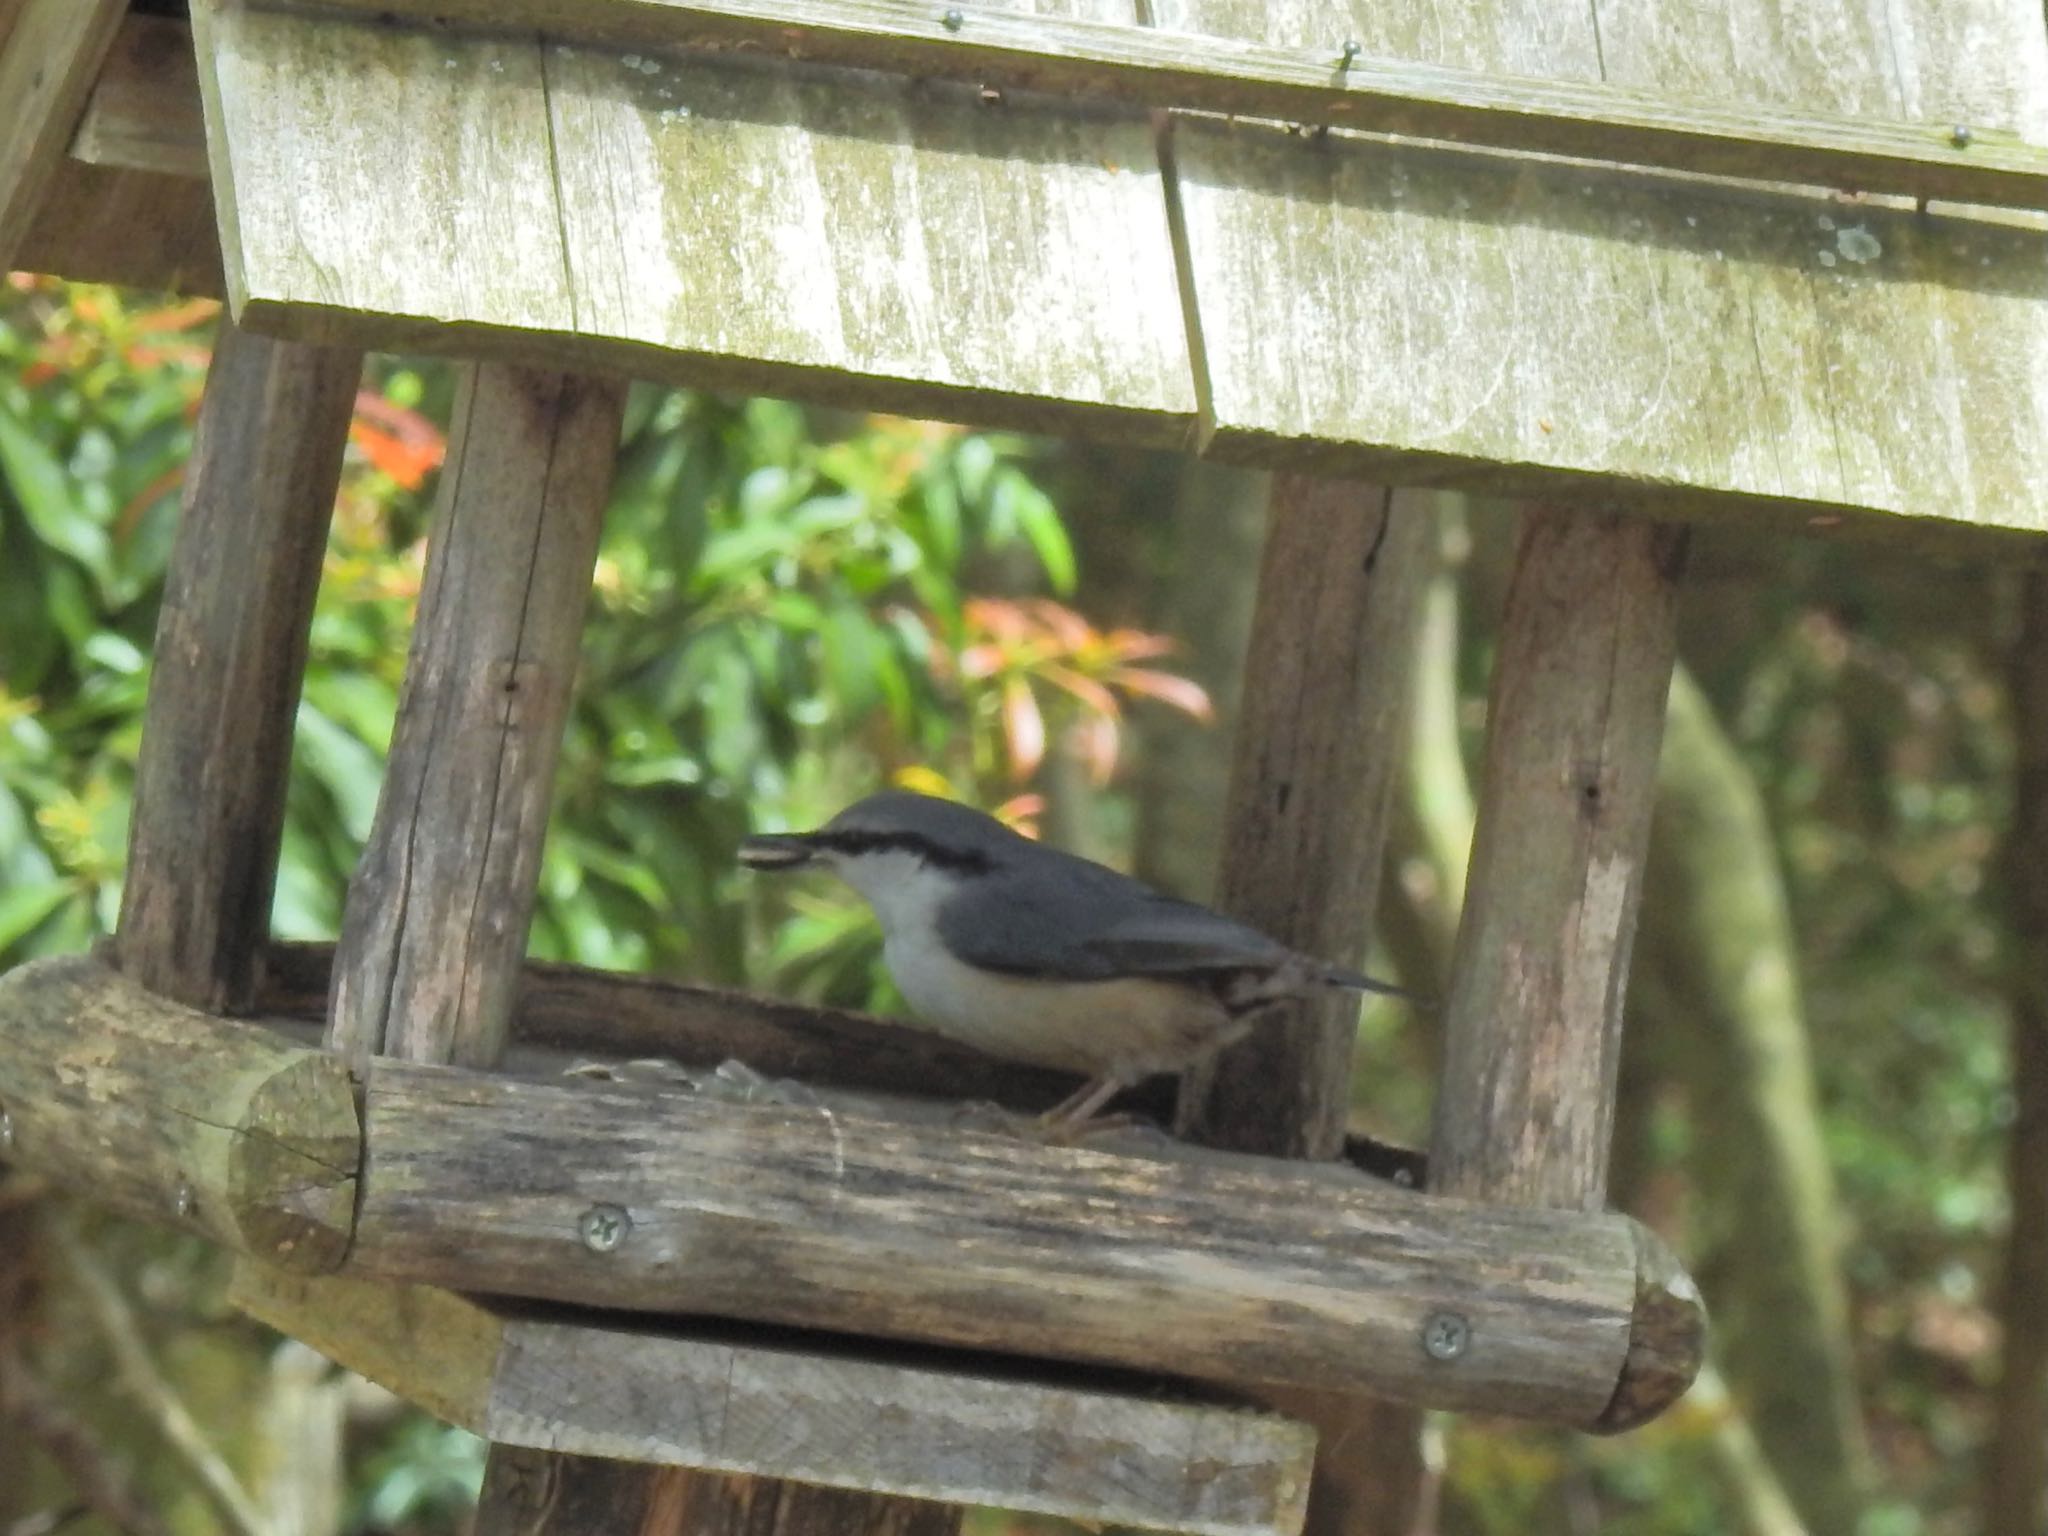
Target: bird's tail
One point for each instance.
(1358, 981)
(1305, 976)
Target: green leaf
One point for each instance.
(348, 770)
(1039, 521)
(45, 494)
(24, 908)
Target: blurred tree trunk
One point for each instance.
(1207, 587)
(1429, 839)
(1715, 918)
(2016, 1483)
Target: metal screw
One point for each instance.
(954, 19)
(181, 1202)
(1446, 1336)
(604, 1227)
(1960, 135)
(1351, 53)
(6, 1131)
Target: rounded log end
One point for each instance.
(292, 1173)
(1667, 1339)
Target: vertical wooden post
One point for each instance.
(436, 923)
(1317, 747)
(1525, 1111)
(230, 658)
(435, 926)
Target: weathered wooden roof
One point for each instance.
(1479, 316)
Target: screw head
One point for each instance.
(6, 1131)
(1446, 1336)
(604, 1227)
(1960, 135)
(182, 1202)
(954, 19)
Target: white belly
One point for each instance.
(1130, 1027)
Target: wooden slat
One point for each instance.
(1318, 745)
(230, 655)
(748, 1402)
(53, 52)
(1545, 328)
(144, 111)
(104, 224)
(1232, 75)
(892, 244)
(435, 925)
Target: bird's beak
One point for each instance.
(777, 850)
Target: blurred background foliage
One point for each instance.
(793, 606)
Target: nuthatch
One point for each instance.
(1035, 955)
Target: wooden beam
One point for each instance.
(53, 53)
(175, 1116)
(1238, 1270)
(103, 224)
(818, 1218)
(1155, 67)
(230, 656)
(144, 113)
(610, 1015)
(435, 925)
(753, 1402)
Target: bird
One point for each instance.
(1035, 955)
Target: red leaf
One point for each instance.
(1023, 727)
(1182, 693)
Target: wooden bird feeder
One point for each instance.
(1665, 272)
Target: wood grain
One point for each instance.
(333, 146)
(53, 52)
(103, 224)
(144, 111)
(435, 925)
(745, 1401)
(578, 1014)
(1312, 768)
(705, 221)
(1080, 56)
(230, 655)
(1238, 1270)
(1549, 329)
(1533, 1023)
(171, 1115)
(1317, 745)
(1243, 1274)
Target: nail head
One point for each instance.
(1446, 1336)
(954, 20)
(1960, 135)
(604, 1227)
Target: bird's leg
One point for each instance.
(1069, 1119)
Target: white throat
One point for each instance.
(903, 889)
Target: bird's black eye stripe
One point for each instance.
(852, 844)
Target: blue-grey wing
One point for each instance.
(1067, 919)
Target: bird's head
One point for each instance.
(889, 838)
